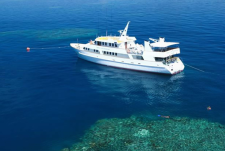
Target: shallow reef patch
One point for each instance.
(52, 34)
(141, 134)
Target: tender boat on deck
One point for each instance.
(122, 52)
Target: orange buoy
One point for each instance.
(28, 49)
(209, 108)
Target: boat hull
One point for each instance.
(123, 65)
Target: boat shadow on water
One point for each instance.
(132, 86)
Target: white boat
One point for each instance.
(122, 52)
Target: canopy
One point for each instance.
(163, 44)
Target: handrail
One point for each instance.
(171, 60)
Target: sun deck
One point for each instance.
(115, 39)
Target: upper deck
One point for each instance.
(115, 39)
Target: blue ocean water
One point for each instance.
(49, 97)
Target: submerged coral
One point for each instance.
(141, 134)
(53, 34)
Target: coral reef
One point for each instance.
(141, 134)
(52, 34)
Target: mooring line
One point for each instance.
(202, 70)
(50, 47)
(195, 68)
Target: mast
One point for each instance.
(124, 33)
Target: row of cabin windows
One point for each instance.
(85, 48)
(105, 44)
(109, 53)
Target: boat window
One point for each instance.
(104, 52)
(158, 59)
(109, 44)
(95, 42)
(107, 52)
(105, 43)
(83, 47)
(112, 53)
(138, 57)
(88, 48)
(116, 54)
(113, 45)
(96, 50)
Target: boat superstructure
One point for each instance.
(155, 55)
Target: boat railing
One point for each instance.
(133, 50)
(171, 60)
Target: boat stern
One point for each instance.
(175, 66)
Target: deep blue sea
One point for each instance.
(49, 97)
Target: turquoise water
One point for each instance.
(50, 97)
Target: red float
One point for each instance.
(28, 49)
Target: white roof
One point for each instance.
(163, 44)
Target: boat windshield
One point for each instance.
(164, 49)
